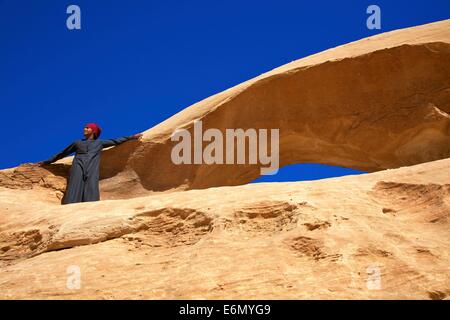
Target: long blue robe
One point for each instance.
(85, 170)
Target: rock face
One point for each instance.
(375, 104)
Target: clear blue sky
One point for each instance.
(135, 63)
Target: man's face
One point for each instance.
(87, 131)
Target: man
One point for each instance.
(84, 173)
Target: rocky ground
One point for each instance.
(382, 235)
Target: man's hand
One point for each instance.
(137, 136)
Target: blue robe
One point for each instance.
(85, 170)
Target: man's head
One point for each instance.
(92, 130)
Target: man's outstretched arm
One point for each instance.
(117, 141)
(64, 153)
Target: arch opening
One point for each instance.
(307, 172)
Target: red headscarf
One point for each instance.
(95, 128)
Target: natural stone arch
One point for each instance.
(377, 103)
(384, 109)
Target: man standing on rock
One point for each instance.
(84, 173)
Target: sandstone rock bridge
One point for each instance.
(377, 103)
